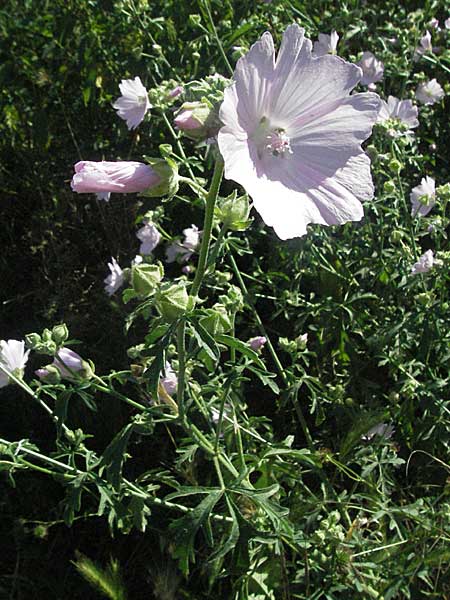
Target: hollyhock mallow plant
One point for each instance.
(170, 380)
(124, 177)
(326, 44)
(292, 135)
(372, 68)
(429, 92)
(115, 279)
(13, 359)
(424, 264)
(399, 112)
(149, 237)
(133, 104)
(423, 197)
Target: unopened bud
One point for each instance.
(60, 334)
(172, 301)
(167, 170)
(146, 278)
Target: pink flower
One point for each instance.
(447, 23)
(429, 92)
(424, 264)
(326, 44)
(170, 380)
(115, 279)
(423, 197)
(402, 111)
(292, 135)
(133, 104)
(68, 364)
(184, 250)
(177, 91)
(125, 177)
(257, 343)
(424, 47)
(434, 23)
(13, 359)
(372, 68)
(149, 237)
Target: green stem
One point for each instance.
(101, 387)
(35, 397)
(207, 226)
(181, 350)
(276, 360)
(219, 43)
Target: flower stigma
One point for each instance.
(273, 140)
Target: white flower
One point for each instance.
(184, 250)
(434, 23)
(423, 197)
(105, 196)
(424, 264)
(429, 92)
(13, 359)
(292, 135)
(399, 112)
(372, 68)
(326, 44)
(133, 104)
(150, 238)
(115, 279)
(447, 23)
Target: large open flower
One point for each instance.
(292, 135)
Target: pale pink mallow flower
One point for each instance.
(13, 359)
(257, 343)
(402, 111)
(115, 279)
(149, 237)
(133, 104)
(423, 197)
(429, 92)
(382, 430)
(372, 68)
(424, 264)
(124, 177)
(68, 364)
(326, 44)
(292, 135)
(434, 23)
(185, 249)
(170, 380)
(425, 46)
(447, 23)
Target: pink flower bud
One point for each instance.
(186, 121)
(125, 177)
(257, 343)
(176, 91)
